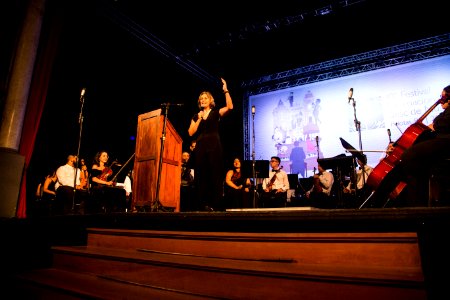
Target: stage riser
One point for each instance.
(253, 265)
(215, 278)
(389, 250)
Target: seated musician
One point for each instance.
(275, 187)
(320, 193)
(187, 189)
(68, 199)
(237, 187)
(362, 174)
(417, 160)
(104, 196)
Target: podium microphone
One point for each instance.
(350, 95)
(253, 110)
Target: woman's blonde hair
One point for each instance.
(210, 96)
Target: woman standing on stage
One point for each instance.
(209, 168)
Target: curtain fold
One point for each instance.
(35, 106)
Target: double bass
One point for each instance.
(385, 180)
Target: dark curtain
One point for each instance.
(38, 93)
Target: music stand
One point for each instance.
(340, 164)
(261, 168)
(355, 153)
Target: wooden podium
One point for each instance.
(146, 164)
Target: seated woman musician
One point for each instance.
(104, 196)
(320, 193)
(275, 187)
(237, 187)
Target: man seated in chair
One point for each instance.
(320, 193)
(275, 187)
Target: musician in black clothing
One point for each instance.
(275, 187)
(187, 190)
(105, 196)
(237, 187)
(417, 160)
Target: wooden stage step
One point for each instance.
(230, 265)
(64, 285)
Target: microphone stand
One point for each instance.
(358, 129)
(253, 158)
(157, 203)
(317, 146)
(80, 121)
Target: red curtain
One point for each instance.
(36, 101)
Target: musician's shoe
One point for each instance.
(208, 208)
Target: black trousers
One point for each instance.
(69, 200)
(273, 199)
(104, 199)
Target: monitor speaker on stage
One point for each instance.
(261, 168)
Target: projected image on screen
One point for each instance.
(315, 116)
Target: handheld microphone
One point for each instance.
(173, 104)
(83, 91)
(253, 110)
(350, 95)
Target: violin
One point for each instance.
(272, 180)
(316, 181)
(84, 178)
(107, 171)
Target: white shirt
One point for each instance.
(281, 181)
(360, 181)
(66, 175)
(326, 180)
(126, 185)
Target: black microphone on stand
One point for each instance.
(253, 110)
(350, 95)
(83, 91)
(80, 118)
(389, 135)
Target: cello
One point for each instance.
(385, 180)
